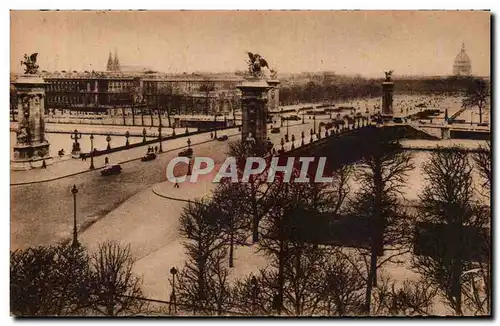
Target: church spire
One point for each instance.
(109, 66)
(116, 63)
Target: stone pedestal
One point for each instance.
(254, 109)
(387, 92)
(31, 149)
(445, 132)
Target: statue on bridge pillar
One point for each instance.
(31, 148)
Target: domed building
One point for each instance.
(462, 64)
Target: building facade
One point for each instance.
(110, 92)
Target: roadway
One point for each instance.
(42, 213)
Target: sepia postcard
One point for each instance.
(250, 163)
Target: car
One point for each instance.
(148, 157)
(275, 130)
(188, 152)
(294, 118)
(397, 120)
(223, 138)
(112, 169)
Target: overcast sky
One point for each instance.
(347, 42)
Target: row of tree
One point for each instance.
(307, 277)
(343, 88)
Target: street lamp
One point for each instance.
(74, 191)
(287, 128)
(215, 125)
(281, 116)
(159, 137)
(189, 161)
(314, 121)
(91, 151)
(127, 135)
(76, 136)
(173, 300)
(144, 132)
(108, 139)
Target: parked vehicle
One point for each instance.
(148, 157)
(112, 169)
(275, 130)
(223, 138)
(188, 152)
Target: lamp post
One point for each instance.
(91, 151)
(281, 116)
(108, 139)
(159, 137)
(302, 136)
(74, 191)
(215, 126)
(189, 162)
(173, 300)
(76, 136)
(127, 135)
(282, 144)
(287, 128)
(144, 132)
(314, 121)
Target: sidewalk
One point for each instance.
(65, 168)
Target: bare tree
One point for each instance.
(288, 239)
(49, 281)
(234, 219)
(255, 193)
(203, 280)
(115, 290)
(483, 165)
(477, 95)
(343, 284)
(448, 201)
(382, 176)
(412, 298)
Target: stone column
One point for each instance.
(31, 149)
(387, 109)
(254, 109)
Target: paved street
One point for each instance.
(47, 216)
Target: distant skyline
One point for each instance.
(345, 42)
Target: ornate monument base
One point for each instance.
(31, 149)
(27, 157)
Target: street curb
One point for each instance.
(89, 170)
(122, 162)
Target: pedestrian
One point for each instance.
(106, 160)
(44, 165)
(156, 149)
(211, 136)
(176, 185)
